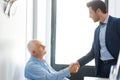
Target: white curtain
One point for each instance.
(13, 40)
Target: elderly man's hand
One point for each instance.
(74, 67)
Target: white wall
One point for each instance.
(44, 25)
(48, 31)
(13, 39)
(114, 9)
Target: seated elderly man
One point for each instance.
(37, 68)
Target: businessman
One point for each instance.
(37, 68)
(106, 44)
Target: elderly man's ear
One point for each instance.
(33, 53)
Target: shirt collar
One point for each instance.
(36, 59)
(106, 20)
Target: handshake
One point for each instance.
(74, 67)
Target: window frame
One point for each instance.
(53, 37)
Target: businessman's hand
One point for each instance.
(74, 67)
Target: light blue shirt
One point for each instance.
(39, 70)
(105, 54)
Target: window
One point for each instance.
(74, 31)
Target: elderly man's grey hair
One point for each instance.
(31, 45)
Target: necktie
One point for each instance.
(101, 23)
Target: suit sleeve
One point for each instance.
(118, 27)
(87, 58)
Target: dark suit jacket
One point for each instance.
(112, 43)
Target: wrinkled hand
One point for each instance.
(74, 67)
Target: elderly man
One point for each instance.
(37, 68)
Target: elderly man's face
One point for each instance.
(39, 49)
